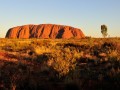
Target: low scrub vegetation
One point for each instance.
(45, 64)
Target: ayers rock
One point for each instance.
(45, 31)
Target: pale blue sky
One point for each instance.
(87, 15)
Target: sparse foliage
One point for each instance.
(104, 30)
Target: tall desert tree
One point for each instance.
(104, 30)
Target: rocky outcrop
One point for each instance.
(44, 31)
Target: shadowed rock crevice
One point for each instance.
(45, 31)
(60, 33)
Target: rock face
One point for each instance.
(44, 31)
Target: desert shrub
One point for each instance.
(43, 42)
(109, 45)
(15, 46)
(62, 61)
(40, 50)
